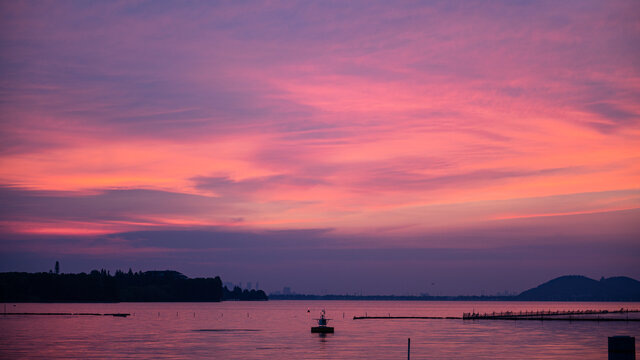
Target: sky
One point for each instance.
(374, 147)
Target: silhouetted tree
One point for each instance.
(100, 286)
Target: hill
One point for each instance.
(581, 288)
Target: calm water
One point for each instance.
(281, 330)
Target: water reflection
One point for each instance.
(323, 337)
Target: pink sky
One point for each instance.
(365, 126)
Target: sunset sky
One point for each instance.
(375, 147)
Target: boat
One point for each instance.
(322, 327)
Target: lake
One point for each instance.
(281, 330)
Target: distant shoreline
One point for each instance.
(172, 286)
(389, 297)
(301, 297)
(568, 288)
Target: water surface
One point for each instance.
(281, 330)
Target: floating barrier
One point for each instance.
(69, 314)
(406, 317)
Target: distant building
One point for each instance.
(286, 290)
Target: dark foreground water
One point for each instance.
(281, 330)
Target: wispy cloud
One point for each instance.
(364, 118)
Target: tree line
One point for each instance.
(101, 286)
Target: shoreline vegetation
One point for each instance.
(101, 286)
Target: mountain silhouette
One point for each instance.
(582, 288)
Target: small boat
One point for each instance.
(322, 327)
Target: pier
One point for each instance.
(565, 315)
